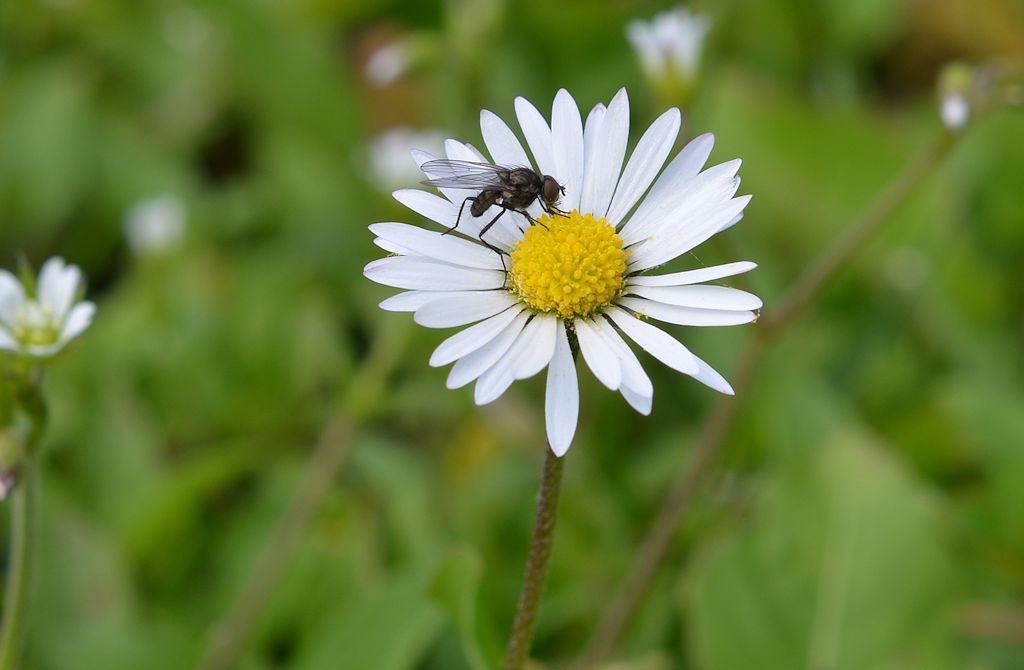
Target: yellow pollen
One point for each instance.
(569, 265)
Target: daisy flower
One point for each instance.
(39, 324)
(574, 282)
(669, 46)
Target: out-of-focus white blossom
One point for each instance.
(388, 63)
(957, 84)
(39, 325)
(954, 111)
(155, 225)
(390, 159)
(669, 47)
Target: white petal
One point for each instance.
(634, 379)
(598, 354)
(527, 356)
(447, 248)
(456, 196)
(537, 134)
(77, 321)
(475, 363)
(44, 350)
(656, 342)
(7, 342)
(687, 316)
(493, 383)
(701, 296)
(12, 297)
(429, 205)
(447, 213)
(643, 165)
(501, 142)
(685, 165)
(463, 151)
(393, 248)
(421, 156)
(693, 276)
(537, 349)
(590, 132)
(604, 162)
(709, 377)
(410, 301)
(736, 219)
(684, 234)
(641, 403)
(448, 312)
(57, 285)
(662, 214)
(472, 338)
(427, 274)
(567, 148)
(591, 138)
(562, 396)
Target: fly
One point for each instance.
(513, 189)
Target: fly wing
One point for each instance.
(464, 174)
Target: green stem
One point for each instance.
(12, 630)
(536, 565)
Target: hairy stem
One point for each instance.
(18, 570)
(536, 565)
(659, 536)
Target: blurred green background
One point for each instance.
(868, 511)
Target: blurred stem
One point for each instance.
(662, 531)
(536, 565)
(18, 571)
(363, 394)
(19, 568)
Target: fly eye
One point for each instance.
(551, 189)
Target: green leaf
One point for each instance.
(390, 628)
(455, 589)
(843, 566)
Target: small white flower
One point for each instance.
(155, 225)
(388, 63)
(389, 155)
(577, 277)
(669, 46)
(41, 325)
(954, 110)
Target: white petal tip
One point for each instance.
(559, 449)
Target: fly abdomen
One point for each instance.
(483, 202)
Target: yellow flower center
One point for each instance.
(570, 265)
(35, 325)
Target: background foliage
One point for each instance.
(868, 512)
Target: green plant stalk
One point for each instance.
(12, 629)
(360, 399)
(536, 564)
(661, 533)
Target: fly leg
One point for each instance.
(526, 215)
(501, 254)
(459, 217)
(554, 211)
